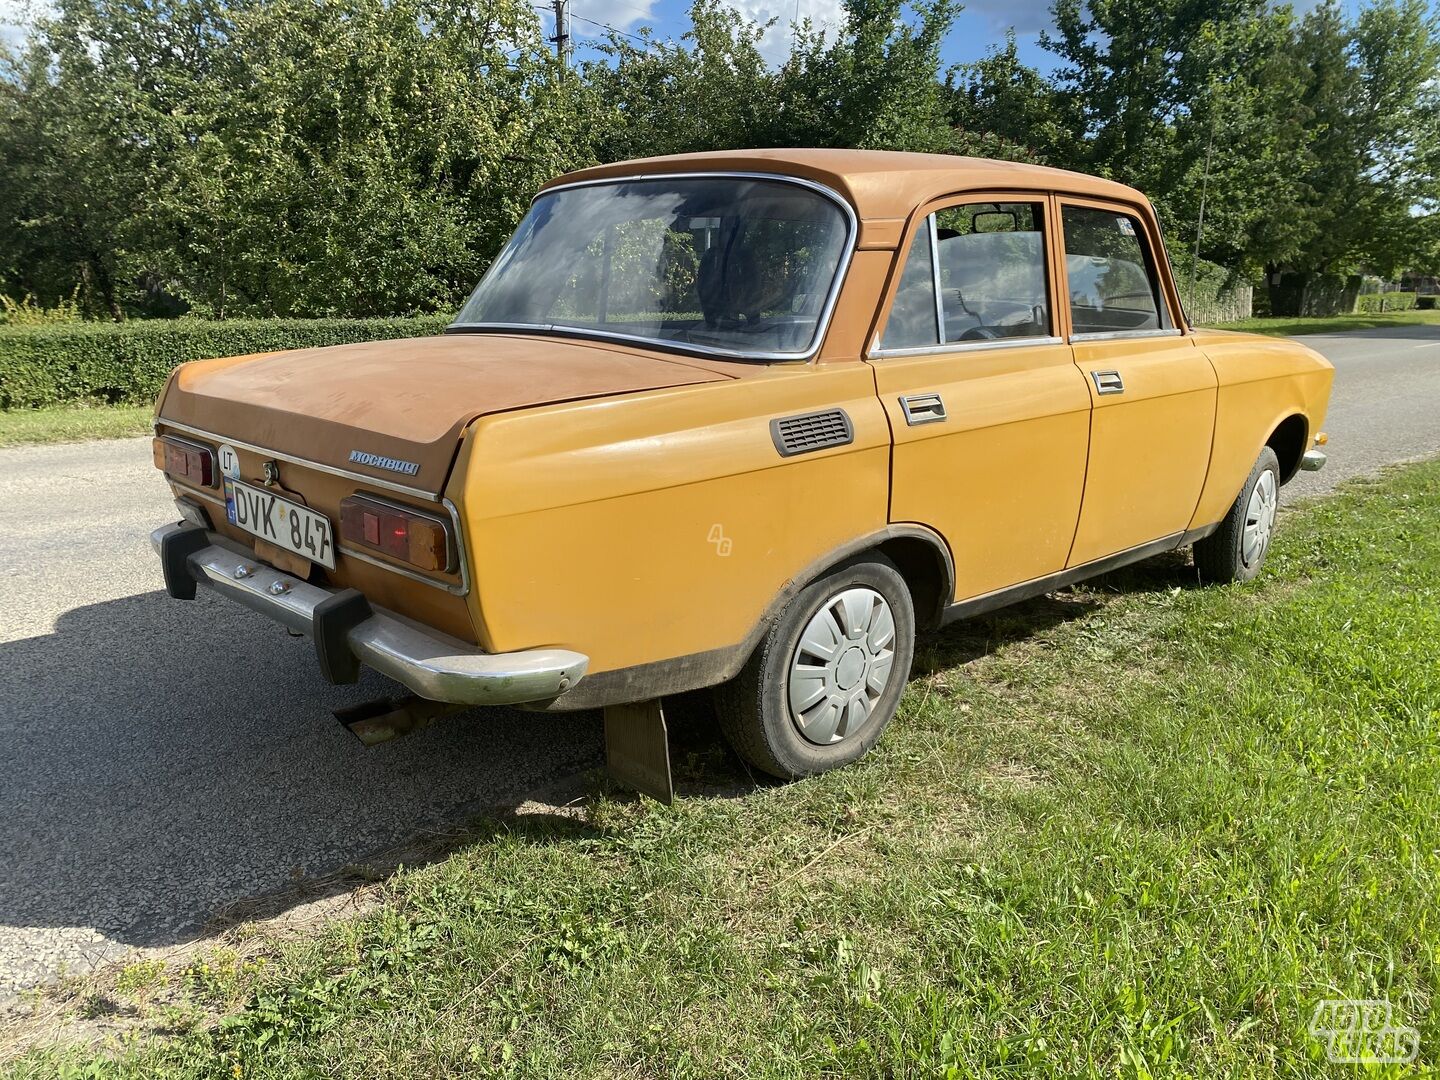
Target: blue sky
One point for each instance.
(981, 25)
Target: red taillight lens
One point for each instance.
(421, 540)
(187, 461)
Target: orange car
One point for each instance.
(741, 420)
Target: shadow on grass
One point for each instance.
(968, 640)
(161, 793)
(704, 766)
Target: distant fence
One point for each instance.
(1224, 305)
(1214, 297)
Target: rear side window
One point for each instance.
(1112, 279)
(992, 271)
(985, 262)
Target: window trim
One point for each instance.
(1044, 200)
(964, 346)
(1162, 282)
(822, 323)
(934, 231)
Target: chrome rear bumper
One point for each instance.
(1313, 460)
(346, 629)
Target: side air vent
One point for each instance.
(812, 431)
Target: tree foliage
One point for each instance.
(367, 157)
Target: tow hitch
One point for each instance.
(378, 721)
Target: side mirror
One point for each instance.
(993, 221)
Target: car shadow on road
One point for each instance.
(163, 760)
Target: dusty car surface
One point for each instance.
(743, 420)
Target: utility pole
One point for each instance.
(562, 31)
(1200, 224)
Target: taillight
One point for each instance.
(421, 540)
(185, 460)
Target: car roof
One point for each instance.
(878, 183)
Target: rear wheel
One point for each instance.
(1236, 550)
(827, 677)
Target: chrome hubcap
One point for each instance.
(842, 665)
(1259, 519)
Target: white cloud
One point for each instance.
(621, 14)
(16, 18)
(825, 15)
(1025, 16)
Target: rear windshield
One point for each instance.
(734, 265)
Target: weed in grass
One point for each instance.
(140, 979)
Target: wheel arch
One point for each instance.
(1288, 440)
(918, 552)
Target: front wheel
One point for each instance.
(1236, 550)
(827, 677)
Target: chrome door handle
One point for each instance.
(923, 409)
(1108, 382)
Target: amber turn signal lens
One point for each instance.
(419, 539)
(1321, 439)
(184, 460)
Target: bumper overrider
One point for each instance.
(348, 632)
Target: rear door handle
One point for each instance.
(923, 409)
(1108, 382)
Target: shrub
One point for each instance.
(1376, 303)
(128, 363)
(27, 311)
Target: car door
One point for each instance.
(989, 415)
(1153, 391)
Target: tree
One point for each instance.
(1367, 192)
(348, 157)
(875, 86)
(1005, 108)
(710, 91)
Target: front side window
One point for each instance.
(724, 264)
(1112, 284)
(987, 264)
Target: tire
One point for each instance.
(836, 713)
(1236, 550)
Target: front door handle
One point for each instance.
(923, 409)
(1108, 382)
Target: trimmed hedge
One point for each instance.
(128, 363)
(1377, 303)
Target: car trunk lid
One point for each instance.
(394, 410)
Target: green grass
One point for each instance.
(1333, 324)
(19, 427)
(1139, 829)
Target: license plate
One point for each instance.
(288, 525)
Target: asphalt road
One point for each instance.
(1385, 406)
(162, 760)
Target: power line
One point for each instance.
(613, 29)
(554, 8)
